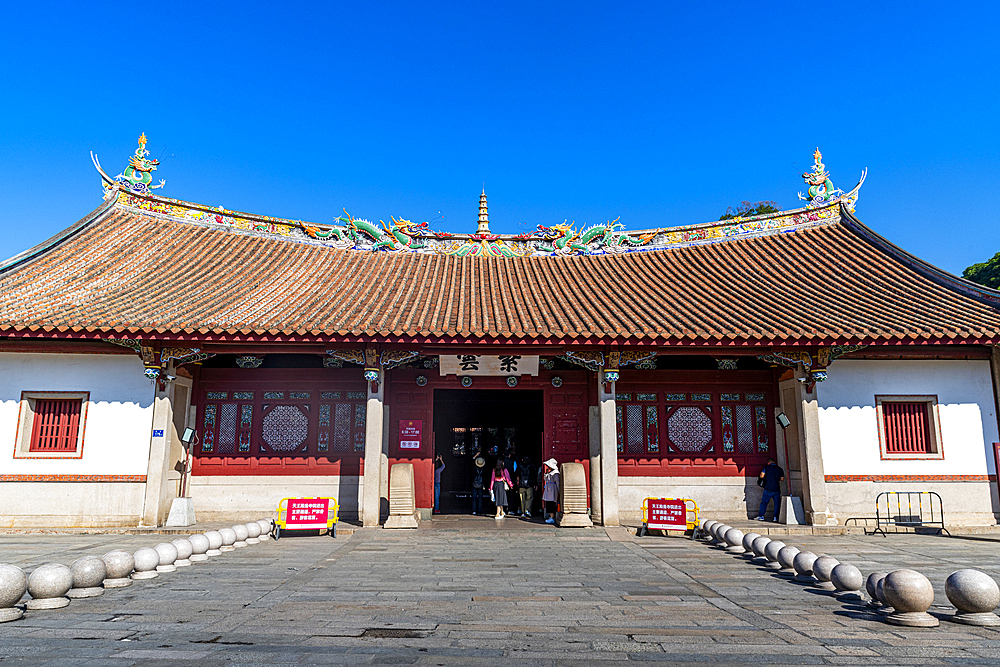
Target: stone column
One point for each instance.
(995, 373)
(159, 489)
(609, 452)
(383, 484)
(594, 432)
(810, 451)
(373, 453)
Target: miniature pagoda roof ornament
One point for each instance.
(484, 215)
(821, 190)
(138, 176)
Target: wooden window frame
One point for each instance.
(26, 421)
(934, 422)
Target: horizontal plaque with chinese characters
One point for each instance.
(483, 364)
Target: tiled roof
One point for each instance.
(127, 272)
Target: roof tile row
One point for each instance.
(129, 272)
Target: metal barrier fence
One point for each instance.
(908, 511)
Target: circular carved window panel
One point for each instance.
(285, 428)
(689, 429)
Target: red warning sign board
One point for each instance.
(666, 514)
(307, 512)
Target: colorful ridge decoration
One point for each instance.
(133, 190)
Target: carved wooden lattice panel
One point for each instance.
(635, 429)
(285, 428)
(744, 428)
(342, 427)
(226, 443)
(689, 429)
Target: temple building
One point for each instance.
(305, 359)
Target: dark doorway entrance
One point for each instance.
(467, 421)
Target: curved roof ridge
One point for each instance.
(404, 236)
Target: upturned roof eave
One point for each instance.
(23, 258)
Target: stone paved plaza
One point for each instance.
(470, 591)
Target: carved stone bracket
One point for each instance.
(395, 358)
(249, 361)
(592, 361)
(637, 357)
(816, 369)
(350, 356)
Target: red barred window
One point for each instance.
(907, 427)
(55, 425)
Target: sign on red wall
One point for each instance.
(409, 433)
(666, 514)
(302, 512)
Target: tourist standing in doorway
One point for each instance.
(478, 485)
(438, 467)
(770, 480)
(500, 482)
(550, 496)
(510, 465)
(525, 484)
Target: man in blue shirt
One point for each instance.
(772, 476)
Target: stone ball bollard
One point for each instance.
(48, 586)
(871, 585)
(265, 529)
(241, 535)
(734, 538)
(199, 547)
(119, 564)
(786, 558)
(89, 573)
(146, 561)
(168, 554)
(848, 580)
(771, 553)
(885, 607)
(758, 545)
(13, 585)
(184, 551)
(706, 528)
(975, 594)
(748, 545)
(718, 530)
(214, 542)
(253, 532)
(823, 570)
(803, 566)
(911, 595)
(228, 539)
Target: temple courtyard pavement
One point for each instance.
(474, 591)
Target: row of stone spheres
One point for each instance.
(53, 585)
(902, 596)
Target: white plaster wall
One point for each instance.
(849, 427)
(71, 504)
(236, 498)
(119, 416)
(965, 503)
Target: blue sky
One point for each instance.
(663, 114)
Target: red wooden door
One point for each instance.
(407, 402)
(567, 426)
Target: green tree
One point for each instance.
(747, 209)
(985, 273)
